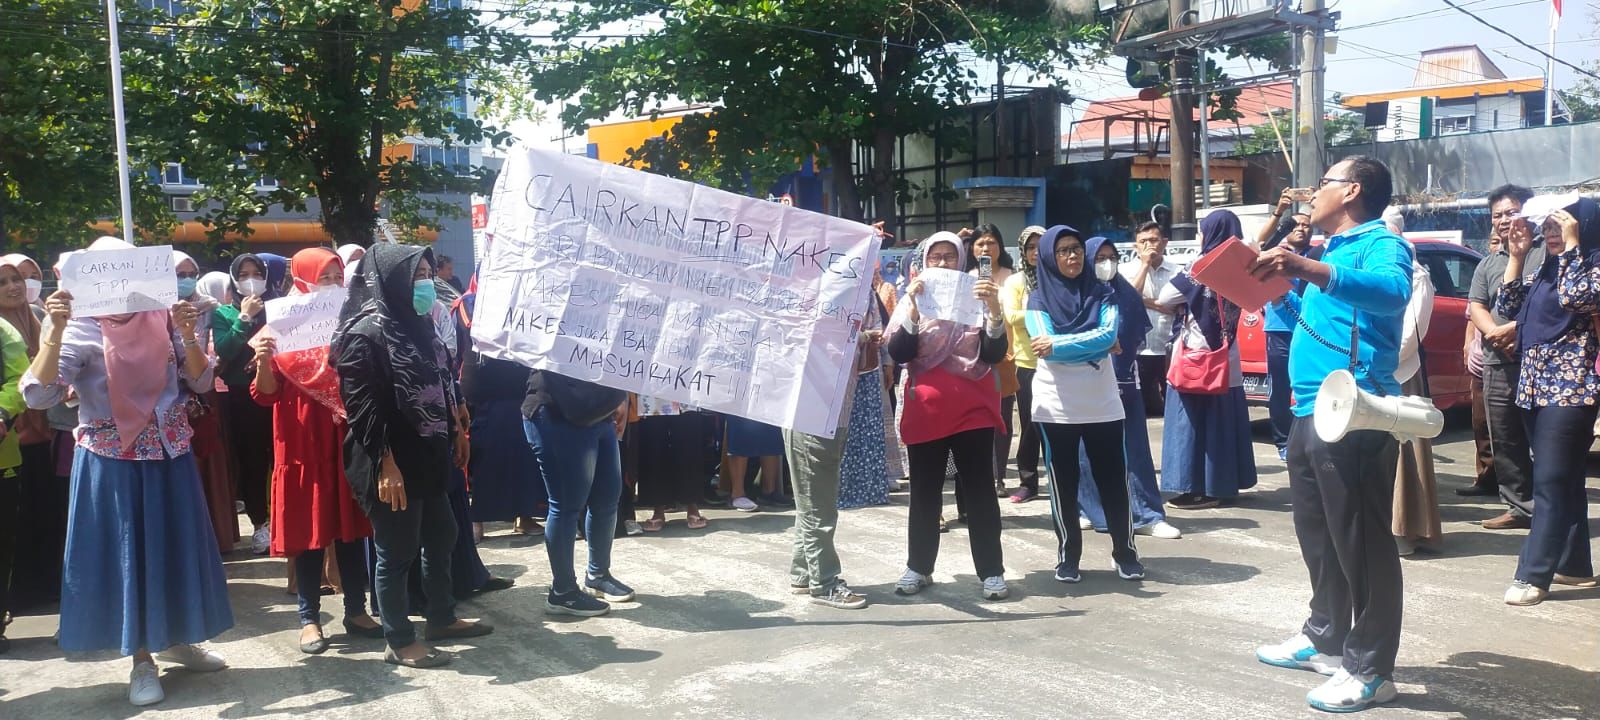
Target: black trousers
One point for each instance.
(672, 459)
(1343, 495)
(1108, 463)
(974, 458)
(40, 528)
(1028, 445)
(249, 429)
(1153, 382)
(1508, 436)
(1558, 541)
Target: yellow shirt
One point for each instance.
(1014, 300)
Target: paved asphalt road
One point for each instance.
(716, 634)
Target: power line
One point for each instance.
(1520, 41)
(1376, 54)
(1429, 13)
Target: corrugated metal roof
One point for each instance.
(1456, 64)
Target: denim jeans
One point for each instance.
(352, 557)
(581, 465)
(1278, 407)
(426, 525)
(1558, 542)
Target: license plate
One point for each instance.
(1258, 385)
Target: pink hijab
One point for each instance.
(942, 343)
(138, 349)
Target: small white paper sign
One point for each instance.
(947, 295)
(302, 322)
(116, 282)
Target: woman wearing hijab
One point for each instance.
(312, 505)
(402, 415)
(1559, 391)
(952, 406)
(1014, 298)
(40, 501)
(350, 254)
(257, 278)
(210, 452)
(506, 483)
(1205, 450)
(1149, 516)
(142, 572)
(1074, 320)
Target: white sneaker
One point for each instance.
(744, 504)
(1084, 524)
(1349, 693)
(193, 657)
(912, 583)
(1522, 594)
(994, 588)
(1159, 529)
(1297, 653)
(144, 685)
(261, 541)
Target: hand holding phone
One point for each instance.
(985, 267)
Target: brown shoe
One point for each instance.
(1507, 521)
(1573, 581)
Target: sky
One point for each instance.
(1379, 45)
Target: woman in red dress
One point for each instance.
(312, 506)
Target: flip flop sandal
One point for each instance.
(698, 522)
(653, 525)
(433, 659)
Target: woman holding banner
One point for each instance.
(951, 407)
(312, 505)
(257, 278)
(142, 573)
(401, 409)
(1205, 451)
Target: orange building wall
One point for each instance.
(613, 141)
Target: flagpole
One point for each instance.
(123, 181)
(1550, 67)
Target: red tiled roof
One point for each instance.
(1253, 104)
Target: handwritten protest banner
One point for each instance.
(673, 290)
(115, 282)
(947, 295)
(302, 322)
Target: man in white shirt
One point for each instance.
(1149, 273)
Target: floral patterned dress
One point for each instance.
(1561, 373)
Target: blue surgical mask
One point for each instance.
(423, 296)
(186, 286)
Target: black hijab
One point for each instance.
(1201, 303)
(1542, 319)
(379, 308)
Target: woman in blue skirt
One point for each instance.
(142, 571)
(1205, 447)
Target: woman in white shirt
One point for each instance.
(1073, 319)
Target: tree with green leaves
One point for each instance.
(1339, 127)
(785, 80)
(311, 94)
(58, 163)
(1583, 97)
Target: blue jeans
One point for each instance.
(1143, 494)
(1278, 401)
(352, 558)
(581, 465)
(1558, 541)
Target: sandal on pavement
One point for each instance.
(469, 630)
(433, 659)
(653, 524)
(698, 522)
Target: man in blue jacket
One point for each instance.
(1343, 491)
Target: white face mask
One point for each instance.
(1105, 270)
(252, 286)
(32, 288)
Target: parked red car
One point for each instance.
(1451, 267)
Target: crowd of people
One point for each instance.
(132, 443)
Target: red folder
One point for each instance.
(1226, 269)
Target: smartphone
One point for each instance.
(986, 267)
(1301, 194)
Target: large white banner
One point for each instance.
(674, 290)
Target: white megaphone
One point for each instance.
(1342, 408)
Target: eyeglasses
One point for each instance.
(1324, 182)
(1070, 250)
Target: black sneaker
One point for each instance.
(1131, 570)
(1067, 572)
(608, 588)
(778, 499)
(575, 603)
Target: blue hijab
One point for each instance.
(1130, 304)
(277, 274)
(1072, 303)
(1216, 229)
(1542, 320)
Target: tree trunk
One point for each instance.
(883, 191)
(840, 158)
